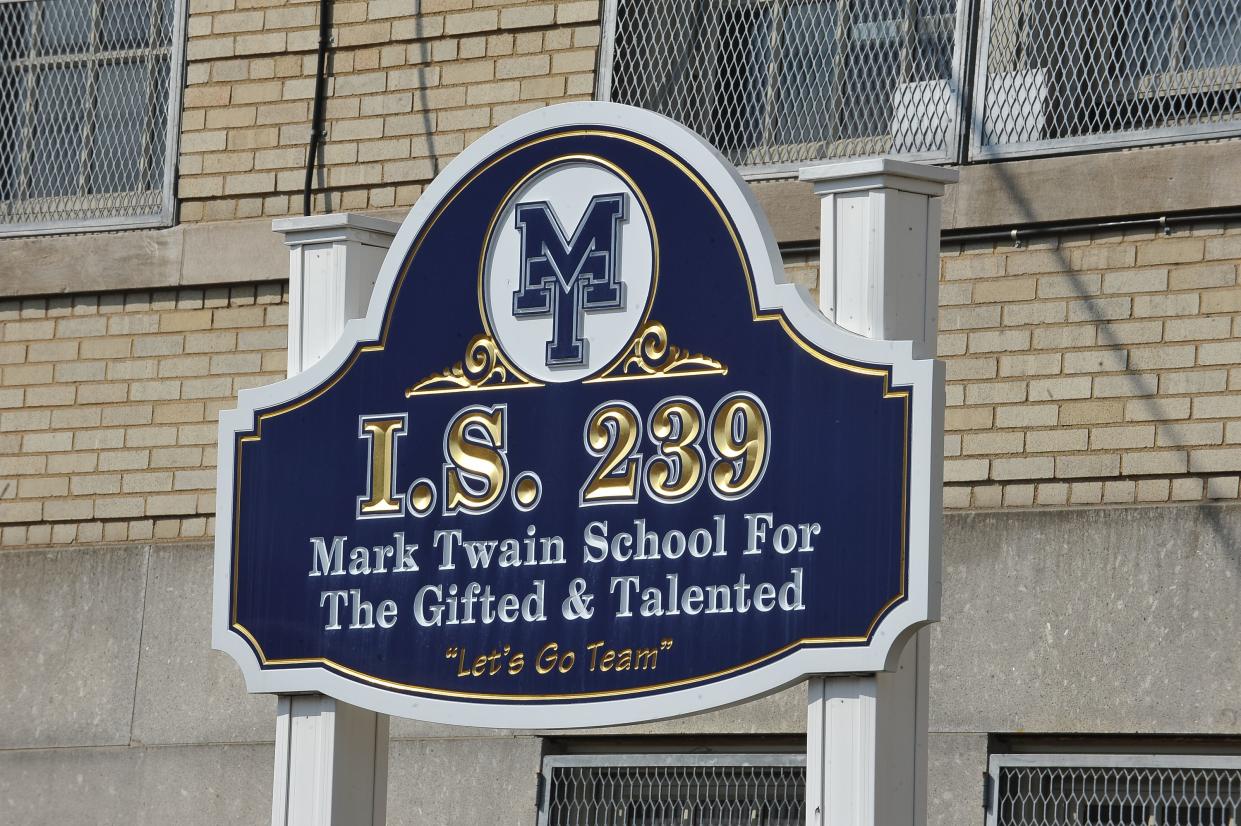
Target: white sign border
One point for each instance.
(772, 293)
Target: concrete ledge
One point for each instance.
(188, 786)
(1098, 186)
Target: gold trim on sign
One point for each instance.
(379, 345)
(483, 368)
(649, 356)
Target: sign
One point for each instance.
(587, 460)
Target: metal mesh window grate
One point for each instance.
(1097, 790)
(1059, 75)
(773, 83)
(674, 790)
(86, 87)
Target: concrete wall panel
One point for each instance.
(1120, 620)
(186, 692)
(69, 628)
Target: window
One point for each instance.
(674, 790)
(1114, 790)
(778, 84)
(89, 93)
(1060, 75)
(774, 83)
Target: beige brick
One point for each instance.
(119, 508)
(1096, 361)
(176, 457)
(1151, 463)
(1145, 306)
(1130, 384)
(1188, 434)
(1077, 387)
(1026, 415)
(1040, 364)
(171, 504)
(968, 318)
(1222, 487)
(524, 66)
(1041, 312)
(1225, 352)
(956, 497)
(995, 393)
(1171, 251)
(999, 341)
(1074, 285)
(1220, 301)
(1119, 492)
(1086, 492)
(1118, 438)
(1186, 490)
(81, 327)
(68, 509)
(1092, 412)
(988, 496)
(1203, 276)
(1130, 332)
(1149, 410)
(468, 22)
(578, 11)
(580, 60)
(972, 266)
(1161, 358)
(1153, 490)
(521, 17)
(975, 444)
(1031, 467)
(965, 470)
(1060, 440)
(18, 374)
(1053, 493)
(124, 460)
(178, 412)
(1135, 281)
(976, 418)
(1198, 381)
(970, 368)
(1057, 338)
(1073, 467)
(102, 393)
(160, 481)
(268, 43)
(1219, 460)
(1103, 257)
(1018, 496)
(1100, 309)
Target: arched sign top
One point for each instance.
(587, 455)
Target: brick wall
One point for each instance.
(1081, 371)
(408, 91)
(1093, 369)
(109, 404)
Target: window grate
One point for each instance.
(87, 88)
(776, 83)
(1112, 790)
(674, 790)
(1059, 76)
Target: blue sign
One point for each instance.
(587, 460)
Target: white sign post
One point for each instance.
(879, 278)
(331, 758)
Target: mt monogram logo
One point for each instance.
(566, 279)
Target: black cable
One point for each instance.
(316, 118)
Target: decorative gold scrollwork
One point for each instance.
(483, 368)
(650, 356)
